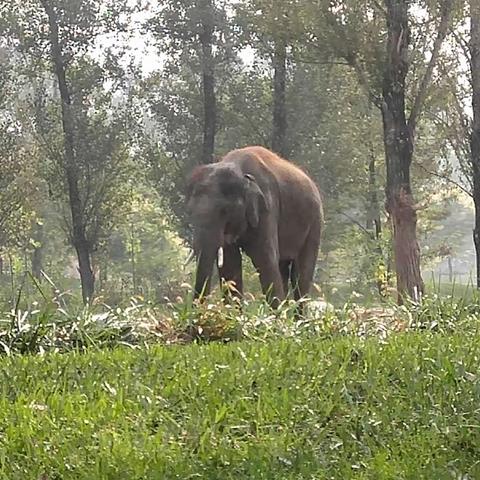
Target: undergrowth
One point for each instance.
(58, 325)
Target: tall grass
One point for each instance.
(57, 324)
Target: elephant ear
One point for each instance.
(255, 200)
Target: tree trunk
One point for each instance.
(279, 130)
(399, 144)
(87, 277)
(374, 223)
(208, 80)
(37, 255)
(12, 275)
(373, 214)
(132, 258)
(475, 136)
(79, 238)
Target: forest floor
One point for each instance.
(331, 396)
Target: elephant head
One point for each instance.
(223, 203)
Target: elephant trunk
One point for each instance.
(208, 250)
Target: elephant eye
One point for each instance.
(232, 189)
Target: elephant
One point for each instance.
(254, 201)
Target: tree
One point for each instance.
(83, 136)
(17, 161)
(279, 130)
(207, 41)
(192, 33)
(475, 135)
(79, 237)
(457, 115)
(268, 27)
(385, 71)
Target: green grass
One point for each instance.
(379, 393)
(340, 407)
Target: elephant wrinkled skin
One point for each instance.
(255, 201)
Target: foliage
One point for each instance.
(18, 185)
(143, 257)
(141, 129)
(82, 131)
(56, 321)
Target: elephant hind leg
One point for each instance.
(294, 281)
(296, 290)
(304, 265)
(285, 271)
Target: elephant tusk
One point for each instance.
(220, 257)
(189, 259)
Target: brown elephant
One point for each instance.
(255, 201)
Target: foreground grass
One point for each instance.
(339, 407)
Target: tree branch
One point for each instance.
(444, 177)
(351, 59)
(463, 45)
(422, 91)
(359, 225)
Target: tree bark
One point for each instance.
(475, 135)
(399, 144)
(279, 130)
(79, 237)
(208, 80)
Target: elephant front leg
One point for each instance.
(232, 269)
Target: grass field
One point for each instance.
(310, 408)
(214, 392)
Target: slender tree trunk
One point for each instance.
(399, 144)
(279, 130)
(374, 223)
(450, 268)
(373, 215)
(475, 137)
(12, 275)
(132, 258)
(79, 238)
(208, 80)
(102, 273)
(476, 230)
(37, 255)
